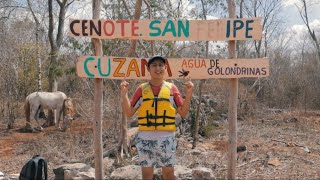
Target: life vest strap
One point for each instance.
(156, 117)
(164, 119)
(157, 99)
(155, 124)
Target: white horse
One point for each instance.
(58, 101)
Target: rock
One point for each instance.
(108, 163)
(13, 176)
(89, 175)
(79, 176)
(74, 171)
(182, 172)
(127, 172)
(134, 172)
(202, 173)
(1, 176)
(67, 174)
(274, 162)
(196, 152)
(306, 149)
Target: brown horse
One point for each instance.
(58, 101)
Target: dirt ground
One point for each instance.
(280, 145)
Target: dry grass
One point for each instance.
(75, 145)
(281, 137)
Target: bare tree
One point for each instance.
(269, 11)
(304, 16)
(197, 118)
(131, 53)
(38, 31)
(55, 44)
(10, 8)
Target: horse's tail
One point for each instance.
(27, 112)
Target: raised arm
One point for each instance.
(129, 111)
(184, 108)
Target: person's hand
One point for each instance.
(124, 86)
(188, 85)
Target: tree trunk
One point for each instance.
(304, 16)
(55, 46)
(137, 14)
(232, 109)
(98, 99)
(197, 118)
(37, 45)
(131, 53)
(38, 50)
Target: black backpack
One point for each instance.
(34, 169)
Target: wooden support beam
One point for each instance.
(232, 111)
(98, 99)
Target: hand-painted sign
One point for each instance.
(136, 68)
(177, 30)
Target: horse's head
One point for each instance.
(68, 113)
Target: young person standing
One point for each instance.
(157, 103)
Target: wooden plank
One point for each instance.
(175, 30)
(136, 68)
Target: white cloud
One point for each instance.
(315, 24)
(299, 33)
(209, 17)
(287, 3)
(298, 28)
(301, 28)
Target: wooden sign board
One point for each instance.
(174, 30)
(136, 68)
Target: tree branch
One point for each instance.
(127, 9)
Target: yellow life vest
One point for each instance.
(156, 113)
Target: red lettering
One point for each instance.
(193, 63)
(203, 63)
(105, 28)
(122, 22)
(184, 63)
(190, 64)
(133, 27)
(144, 64)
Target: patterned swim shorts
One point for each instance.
(157, 153)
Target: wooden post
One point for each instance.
(232, 111)
(98, 101)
